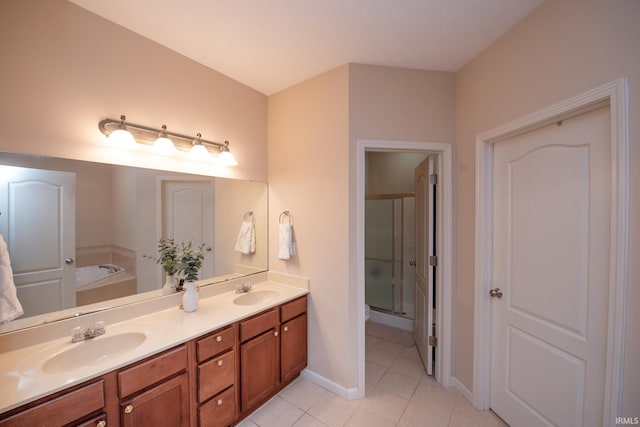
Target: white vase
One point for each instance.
(169, 285)
(190, 297)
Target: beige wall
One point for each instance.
(313, 129)
(391, 172)
(308, 169)
(393, 104)
(562, 49)
(64, 69)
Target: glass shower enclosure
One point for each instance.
(389, 242)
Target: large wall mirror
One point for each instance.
(83, 236)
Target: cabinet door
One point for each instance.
(293, 347)
(167, 404)
(260, 368)
(61, 410)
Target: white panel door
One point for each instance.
(43, 268)
(188, 215)
(552, 202)
(423, 321)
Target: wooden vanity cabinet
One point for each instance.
(213, 381)
(83, 405)
(293, 339)
(155, 391)
(259, 358)
(217, 359)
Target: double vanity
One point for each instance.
(157, 365)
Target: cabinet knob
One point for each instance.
(286, 328)
(275, 333)
(220, 402)
(219, 338)
(101, 423)
(128, 409)
(219, 362)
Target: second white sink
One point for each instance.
(255, 297)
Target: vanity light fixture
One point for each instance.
(121, 137)
(164, 141)
(163, 145)
(225, 157)
(199, 151)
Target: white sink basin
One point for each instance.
(256, 297)
(92, 351)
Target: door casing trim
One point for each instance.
(615, 95)
(445, 249)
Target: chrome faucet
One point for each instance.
(111, 268)
(82, 334)
(241, 289)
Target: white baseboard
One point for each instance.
(389, 320)
(462, 389)
(345, 393)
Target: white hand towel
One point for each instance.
(286, 243)
(246, 243)
(10, 307)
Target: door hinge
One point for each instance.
(433, 341)
(433, 179)
(433, 260)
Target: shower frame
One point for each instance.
(401, 197)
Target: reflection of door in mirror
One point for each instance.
(37, 219)
(187, 214)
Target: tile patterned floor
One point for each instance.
(398, 393)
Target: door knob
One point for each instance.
(412, 263)
(68, 261)
(495, 293)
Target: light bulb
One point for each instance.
(164, 145)
(225, 158)
(122, 138)
(199, 152)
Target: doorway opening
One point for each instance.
(390, 236)
(401, 303)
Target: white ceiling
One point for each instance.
(271, 45)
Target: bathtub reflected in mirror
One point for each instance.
(98, 283)
(83, 236)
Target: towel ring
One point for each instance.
(285, 215)
(249, 214)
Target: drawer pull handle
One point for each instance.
(219, 338)
(101, 423)
(286, 328)
(220, 401)
(219, 362)
(275, 334)
(128, 409)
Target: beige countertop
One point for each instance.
(22, 379)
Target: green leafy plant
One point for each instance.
(168, 256)
(179, 259)
(168, 251)
(190, 260)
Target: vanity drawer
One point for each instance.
(256, 325)
(216, 343)
(219, 411)
(216, 375)
(293, 309)
(151, 371)
(62, 410)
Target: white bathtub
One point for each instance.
(95, 276)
